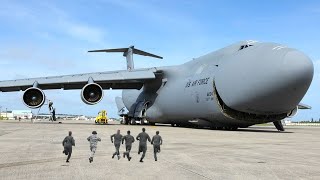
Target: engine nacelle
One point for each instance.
(34, 97)
(92, 93)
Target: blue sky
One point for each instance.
(44, 38)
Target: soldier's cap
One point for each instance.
(94, 132)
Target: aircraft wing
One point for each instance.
(114, 79)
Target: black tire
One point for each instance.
(126, 120)
(132, 121)
(234, 128)
(152, 124)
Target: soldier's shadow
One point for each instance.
(65, 165)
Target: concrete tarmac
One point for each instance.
(34, 151)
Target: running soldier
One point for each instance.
(143, 137)
(156, 141)
(67, 144)
(117, 142)
(129, 140)
(93, 139)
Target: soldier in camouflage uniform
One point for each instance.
(67, 143)
(116, 139)
(143, 137)
(156, 141)
(129, 140)
(93, 139)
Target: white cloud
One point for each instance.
(57, 52)
(47, 20)
(83, 32)
(158, 15)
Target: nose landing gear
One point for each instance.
(278, 125)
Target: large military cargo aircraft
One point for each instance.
(240, 85)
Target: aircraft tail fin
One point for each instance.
(128, 53)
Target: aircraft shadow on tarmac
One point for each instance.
(263, 130)
(250, 129)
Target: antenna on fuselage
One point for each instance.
(128, 53)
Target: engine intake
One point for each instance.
(91, 93)
(33, 97)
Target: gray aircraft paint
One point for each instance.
(262, 79)
(240, 85)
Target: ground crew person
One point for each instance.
(116, 138)
(143, 137)
(54, 114)
(67, 143)
(129, 140)
(156, 141)
(93, 139)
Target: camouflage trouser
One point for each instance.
(156, 149)
(143, 149)
(93, 151)
(128, 149)
(68, 151)
(117, 146)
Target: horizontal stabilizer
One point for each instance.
(143, 53)
(111, 50)
(128, 53)
(125, 50)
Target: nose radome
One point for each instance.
(298, 66)
(271, 85)
(296, 76)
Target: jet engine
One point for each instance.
(34, 97)
(91, 93)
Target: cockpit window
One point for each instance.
(245, 46)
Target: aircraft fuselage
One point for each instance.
(239, 85)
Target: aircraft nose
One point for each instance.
(265, 85)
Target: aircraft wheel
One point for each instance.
(126, 120)
(227, 128)
(234, 128)
(132, 121)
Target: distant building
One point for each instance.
(287, 121)
(7, 115)
(23, 114)
(16, 114)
